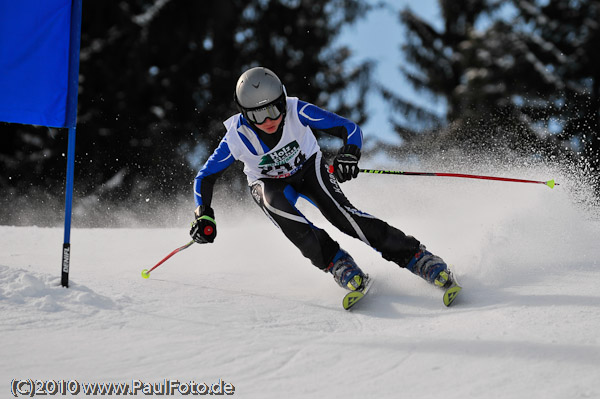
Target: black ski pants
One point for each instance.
(277, 198)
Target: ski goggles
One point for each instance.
(260, 115)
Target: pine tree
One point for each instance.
(565, 35)
(511, 80)
(436, 62)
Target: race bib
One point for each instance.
(282, 162)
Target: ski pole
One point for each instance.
(146, 272)
(549, 183)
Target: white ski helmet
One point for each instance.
(259, 94)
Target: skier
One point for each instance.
(273, 136)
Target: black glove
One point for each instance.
(345, 163)
(204, 228)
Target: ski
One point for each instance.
(353, 297)
(451, 292)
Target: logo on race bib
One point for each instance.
(282, 162)
(281, 156)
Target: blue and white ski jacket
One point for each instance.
(297, 144)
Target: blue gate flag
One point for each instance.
(35, 38)
(39, 77)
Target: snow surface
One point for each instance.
(251, 311)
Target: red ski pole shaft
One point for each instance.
(146, 272)
(549, 183)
